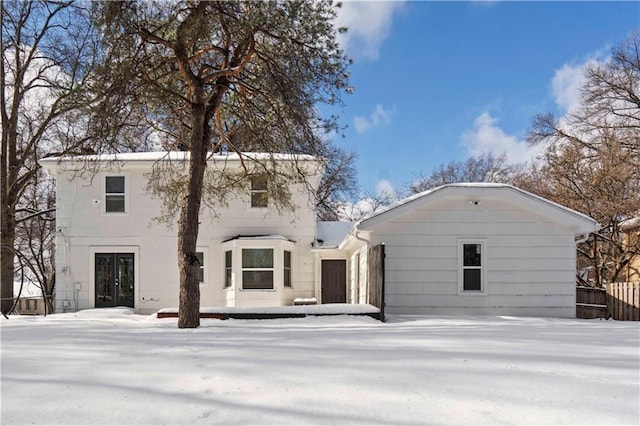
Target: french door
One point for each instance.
(114, 279)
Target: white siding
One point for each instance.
(529, 268)
(84, 229)
(358, 277)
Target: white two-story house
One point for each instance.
(456, 249)
(111, 250)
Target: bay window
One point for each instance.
(257, 269)
(258, 263)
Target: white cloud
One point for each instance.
(378, 117)
(487, 137)
(566, 84)
(361, 124)
(369, 24)
(356, 210)
(569, 78)
(384, 189)
(384, 195)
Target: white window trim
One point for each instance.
(277, 245)
(126, 194)
(290, 286)
(224, 269)
(205, 260)
(262, 269)
(78, 285)
(259, 191)
(483, 267)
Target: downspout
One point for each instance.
(366, 241)
(367, 246)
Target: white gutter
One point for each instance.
(366, 241)
(581, 238)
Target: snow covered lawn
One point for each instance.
(113, 367)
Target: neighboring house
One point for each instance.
(631, 237)
(29, 295)
(457, 249)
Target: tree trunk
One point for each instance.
(7, 256)
(596, 263)
(8, 176)
(188, 224)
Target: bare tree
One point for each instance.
(240, 76)
(35, 237)
(484, 168)
(592, 160)
(43, 48)
(338, 185)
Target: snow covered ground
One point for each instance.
(113, 367)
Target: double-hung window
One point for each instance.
(286, 277)
(114, 194)
(228, 268)
(471, 266)
(257, 269)
(259, 194)
(200, 257)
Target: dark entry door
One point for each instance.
(334, 281)
(114, 279)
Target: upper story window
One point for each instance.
(114, 194)
(259, 195)
(472, 266)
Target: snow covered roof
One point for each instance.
(330, 234)
(259, 237)
(584, 223)
(177, 156)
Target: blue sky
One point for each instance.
(441, 81)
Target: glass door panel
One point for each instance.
(105, 279)
(124, 283)
(114, 280)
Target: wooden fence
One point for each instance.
(623, 301)
(591, 303)
(620, 301)
(375, 258)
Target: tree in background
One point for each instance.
(237, 76)
(483, 168)
(36, 235)
(338, 185)
(41, 72)
(592, 159)
(51, 105)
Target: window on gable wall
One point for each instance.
(472, 268)
(114, 194)
(259, 194)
